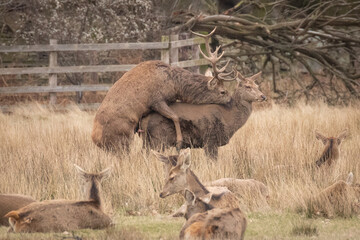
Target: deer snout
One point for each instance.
(263, 98)
(162, 195)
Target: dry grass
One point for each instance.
(277, 146)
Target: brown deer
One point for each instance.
(207, 125)
(64, 215)
(9, 202)
(153, 85)
(180, 177)
(341, 198)
(331, 151)
(204, 221)
(251, 193)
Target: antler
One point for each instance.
(213, 58)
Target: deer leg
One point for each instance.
(167, 112)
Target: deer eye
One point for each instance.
(171, 179)
(247, 87)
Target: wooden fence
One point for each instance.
(169, 47)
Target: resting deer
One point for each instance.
(250, 191)
(331, 151)
(9, 202)
(204, 126)
(204, 221)
(342, 198)
(180, 177)
(153, 85)
(64, 215)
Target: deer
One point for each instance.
(10, 202)
(331, 152)
(152, 86)
(342, 197)
(65, 215)
(207, 126)
(204, 221)
(251, 191)
(180, 177)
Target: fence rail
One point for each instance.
(169, 54)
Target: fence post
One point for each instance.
(53, 76)
(196, 55)
(174, 52)
(165, 53)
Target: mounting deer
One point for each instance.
(152, 86)
(251, 193)
(204, 221)
(64, 215)
(331, 151)
(180, 177)
(10, 202)
(207, 125)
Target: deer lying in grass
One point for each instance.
(206, 126)
(10, 202)
(341, 198)
(180, 177)
(331, 151)
(251, 193)
(64, 215)
(152, 85)
(204, 221)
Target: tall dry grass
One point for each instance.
(277, 146)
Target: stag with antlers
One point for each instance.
(153, 85)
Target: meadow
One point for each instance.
(276, 146)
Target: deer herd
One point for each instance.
(195, 111)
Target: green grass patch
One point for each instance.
(269, 225)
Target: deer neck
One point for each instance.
(240, 111)
(94, 193)
(194, 184)
(189, 85)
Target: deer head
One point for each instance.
(91, 182)
(177, 177)
(331, 151)
(249, 89)
(195, 204)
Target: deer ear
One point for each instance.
(208, 73)
(206, 199)
(256, 76)
(161, 157)
(82, 173)
(342, 136)
(105, 173)
(13, 214)
(189, 197)
(184, 158)
(350, 178)
(321, 137)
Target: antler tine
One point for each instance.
(204, 35)
(213, 57)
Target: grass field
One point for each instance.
(38, 149)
